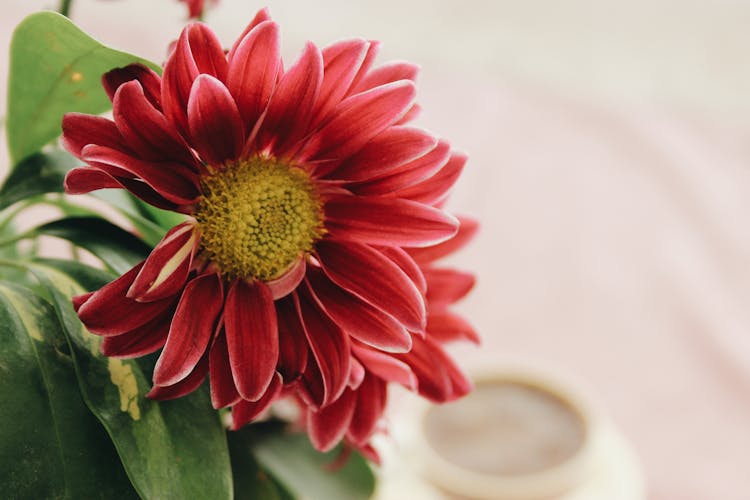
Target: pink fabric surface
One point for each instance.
(614, 249)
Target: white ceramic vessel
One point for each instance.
(602, 466)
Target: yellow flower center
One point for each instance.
(257, 217)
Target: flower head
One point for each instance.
(305, 195)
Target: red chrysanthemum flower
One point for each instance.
(306, 197)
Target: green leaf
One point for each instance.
(250, 481)
(119, 249)
(150, 228)
(163, 218)
(55, 68)
(11, 252)
(306, 472)
(44, 172)
(89, 278)
(172, 449)
(129, 203)
(37, 174)
(51, 446)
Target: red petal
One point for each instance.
(364, 69)
(79, 300)
(293, 348)
(341, 61)
(179, 72)
(446, 286)
(388, 221)
(386, 366)
(356, 374)
(287, 282)
(149, 80)
(184, 386)
(289, 111)
(369, 453)
(261, 16)
(409, 174)
(440, 379)
(374, 278)
(252, 337)
(245, 412)
(359, 319)
(446, 326)
(327, 426)
(371, 400)
(82, 180)
(100, 161)
(223, 390)
(410, 115)
(407, 264)
(387, 151)
(214, 121)
(191, 330)
(435, 189)
(310, 385)
(387, 73)
(207, 51)
(150, 196)
(109, 312)
(165, 271)
(467, 228)
(253, 69)
(358, 119)
(197, 51)
(174, 181)
(80, 130)
(145, 129)
(329, 345)
(140, 341)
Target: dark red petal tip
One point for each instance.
(149, 80)
(223, 389)
(388, 221)
(328, 426)
(245, 412)
(252, 337)
(184, 386)
(191, 330)
(109, 312)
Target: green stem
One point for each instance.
(65, 7)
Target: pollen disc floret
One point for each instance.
(257, 217)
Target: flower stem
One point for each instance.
(65, 7)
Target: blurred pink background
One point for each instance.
(609, 165)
